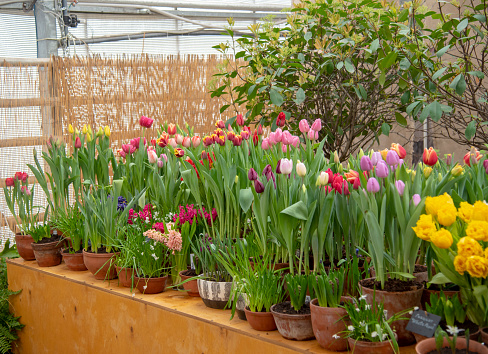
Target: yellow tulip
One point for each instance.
(460, 264)
(107, 131)
(477, 266)
(99, 132)
(427, 171)
(457, 170)
(336, 157)
(478, 230)
(77, 132)
(425, 227)
(465, 211)
(468, 246)
(384, 153)
(88, 137)
(442, 239)
(70, 129)
(85, 129)
(90, 130)
(439, 177)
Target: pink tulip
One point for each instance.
(145, 122)
(400, 186)
(316, 125)
(121, 153)
(179, 139)
(295, 141)
(284, 148)
(303, 126)
(240, 120)
(286, 138)
(272, 139)
(152, 156)
(278, 135)
(373, 186)
(382, 169)
(128, 148)
(186, 142)
(163, 157)
(172, 142)
(195, 141)
(77, 143)
(266, 144)
(416, 199)
(366, 164)
(313, 135)
(160, 163)
(392, 158)
(485, 165)
(136, 141)
(376, 157)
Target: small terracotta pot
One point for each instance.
(24, 246)
(260, 321)
(360, 347)
(395, 302)
(48, 254)
(327, 322)
(74, 261)
(153, 285)
(191, 286)
(295, 327)
(426, 295)
(428, 345)
(125, 276)
(101, 265)
(422, 276)
(473, 336)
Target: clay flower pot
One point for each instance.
(327, 322)
(426, 295)
(295, 327)
(74, 261)
(215, 294)
(48, 254)
(191, 286)
(125, 276)
(360, 347)
(101, 265)
(151, 285)
(428, 345)
(260, 321)
(395, 302)
(24, 246)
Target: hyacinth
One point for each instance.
(121, 203)
(188, 213)
(174, 241)
(144, 215)
(159, 226)
(155, 235)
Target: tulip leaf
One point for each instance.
(245, 199)
(297, 210)
(439, 279)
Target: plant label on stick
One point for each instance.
(192, 265)
(423, 323)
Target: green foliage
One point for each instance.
(329, 287)
(450, 309)
(297, 286)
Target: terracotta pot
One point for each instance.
(153, 285)
(215, 294)
(360, 347)
(74, 261)
(191, 286)
(24, 246)
(101, 265)
(260, 321)
(125, 276)
(421, 276)
(295, 327)
(395, 302)
(473, 336)
(327, 322)
(428, 345)
(426, 295)
(484, 335)
(48, 254)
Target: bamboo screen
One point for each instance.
(39, 98)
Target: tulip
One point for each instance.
(485, 165)
(252, 174)
(220, 140)
(284, 148)
(186, 142)
(265, 145)
(382, 169)
(77, 143)
(472, 156)
(267, 170)
(416, 199)
(99, 132)
(259, 129)
(392, 158)
(240, 120)
(9, 182)
(237, 140)
(375, 157)
(179, 139)
(88, 137)
(85, 129)
(107, 131)
(245, 135)
(272, 139)
(316, 125)
(366, 164)
(400, 186)
(160, 163)
(384, 153)
(361, 153)
(295, 141)
(172, 142)
(427, 172)
(356, 183)
(231, 136)
(303, 126)
(301, 169)
(336, 157)
(145, 122)
(351, 176)
(313, 135)
(128, 149)
(399, 150)
(255, 138)
(258, 186)
(286, 166)
(195, 141)
(220, 124)
(448, 159)
(280, 121)
(179, 152)
(171, 129)
(373, 186)
(286, 138)
(70, 129)
(121, 153)
(458, 170)
(208, 140)
(77, 132)
(278, 135)
(163, 156)
(322, 179)
(152, 156)
(430, 157)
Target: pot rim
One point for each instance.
(70, 254)
(390, 292)
(93, 254)
(48, 245)
(211, 281)
(20, 235)
(287, 315)
(260, 313)
(148, 279)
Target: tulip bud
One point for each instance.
(252, 174)
(373, 186)
(430, 157)
(439, 177)
(382, 169)
(400, 186)
(361, 153)
(77, 132)
(304, 189)
(322, 179)
(240, 120)
(160, 163)
(303, 126)
(70, 129)
(163, 157)
(195, 140)
(336, 157)
(366, 164)
(392, 158)
(259, 129)
(258, 186)
(458, 170)
(416, 199)
(85, 129)
(280, 121)
(236, 179)
(90, 130)
(107, 131)
(88, 137)
(152, 156)
(171, 129)
(301, 169)
(99, 132)
(427, 171)
(340, 169)
(448, 159)
(317, 125)
(286, 166)
(77, 142)
(485, 165)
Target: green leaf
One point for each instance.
(400, 119)
(363, 92)
(458, 84)
(388, 61)
(470, 130)
(349, 66)
(462, 25)
(375, 45)
(404, 64)
(385, 129)
(382, 78)
(479, 17)
(435, 111)
(301, 57)
(297, 210)
(275, 97)
(339, 65)
(478, 74)
(438, 73)
(307, 36)
(439, 278)
(300, 96)
(412, 106)
(245, 199)
(442, 51)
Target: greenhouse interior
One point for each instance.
(254, 176)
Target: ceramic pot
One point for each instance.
(74, 261)
(48, 254)
(24, 246)
(295, 327)
(327, 322)
(428, 345)
(395, 302)
(101, 265)
(125, 276)
(151, 285)
(360, 347)
(260, 321)
(240, 306)
(191, 286)
(215, 294)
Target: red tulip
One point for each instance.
(255, 138)
(163, 140)
(145, 122)
(280, 121)
(245, 134)
(472, 156)
(136, 141)
(430, 157)
(220, 140)
(208, 140)
(237, 140)
(128, 149)
(220, 124)
(21, 176)
(231, 136)
(259, 129)
(399, 150)
(9, 182)
(171, 129)
(179, 152)
(77, 143)
(240, 120)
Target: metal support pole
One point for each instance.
(47, 43)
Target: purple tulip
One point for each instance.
(400, 186)
(485, 165)
(382, 169)
(252, 174)
(416, 199)
(267, 170)
(392, 158)
(258, 186)
(366, 164)
(376, 157)
(278, 169)
(373, 186)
